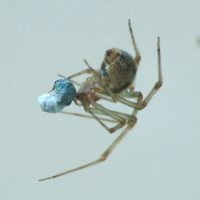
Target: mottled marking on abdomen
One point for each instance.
(119, 69)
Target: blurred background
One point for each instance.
(159, 159)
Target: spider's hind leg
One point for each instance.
(104, 155)
(137, 52)
(159, 82)
(139, 105)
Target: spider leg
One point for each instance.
(141, 104)
(87, 116)
(104, 155)
(110, 130)
(95, 72)
(159, 83)
(72, 81)
(121, 99)
(137, 52)
(119, 119)
(94, 112)
(85, 71)
(129, 103)
(124, 115)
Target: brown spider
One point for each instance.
(113, 82)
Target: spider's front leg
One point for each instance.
(85, 71)
(82, 72)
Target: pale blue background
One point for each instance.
(160, 158)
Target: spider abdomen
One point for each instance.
(118, 69)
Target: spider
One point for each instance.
(113, 82)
